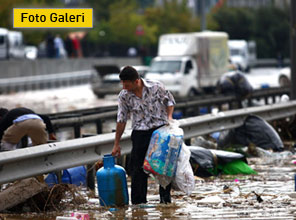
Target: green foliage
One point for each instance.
(124, 19)
(124, 23)
(237, 22)
(173, 17)
(271, 31)
(116, 22)
(268, 26)
(31, 36)
(101, 8)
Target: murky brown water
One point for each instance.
(223, 197)
(274, 182)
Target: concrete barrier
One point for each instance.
(21, 68)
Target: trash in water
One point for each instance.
(65, 218)
(269, 157)
(258, 197)
(212, 200)
(207, 162)
(80, 215)
(202, 142)
(254, 130)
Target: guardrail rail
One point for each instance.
(31, 161)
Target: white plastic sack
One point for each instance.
(184, 178)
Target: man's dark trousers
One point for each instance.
(141, 140)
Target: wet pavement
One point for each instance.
(268, 195)
(222, 197)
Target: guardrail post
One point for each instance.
(273, 99)
(90, 169)
(99, 126)
(77, 132)
(266, 100)
(90, 176)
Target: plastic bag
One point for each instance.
(184, 178)
(163, 152)
(254, 130)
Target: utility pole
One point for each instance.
(203, 15)
(293, 49)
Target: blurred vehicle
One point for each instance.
(42, 50)
(242, 54)
(12, 46)
(31, 52)
(189, 63)
(3, 43)
(285, 77)
(107, 79)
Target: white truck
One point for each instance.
(188, 63)
(242, 54)
(12, 46)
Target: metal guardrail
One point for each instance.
(46, 158)
(184, 102)
(45, 81)
(189, 107)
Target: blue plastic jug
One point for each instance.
(51, 179)
(112, 184)
(75, 175)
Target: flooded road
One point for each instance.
(268, 195)
(56, 100)
(81, 97)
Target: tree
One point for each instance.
(101, 9)
(35, 36)
(173, 17)
(237, 22)
(271, 29)
(268, 26)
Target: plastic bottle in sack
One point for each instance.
(163, 151)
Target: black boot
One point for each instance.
(165, 194)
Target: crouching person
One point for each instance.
(21, 122)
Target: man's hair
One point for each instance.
(3, 111)
(129, 73)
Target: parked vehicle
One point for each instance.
(107, 79)
(3, 43)
(242, 54)
(12, 46)
(285, 77)
(190, 63)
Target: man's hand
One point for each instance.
(52, 136)
(116, 151)
(120, 126)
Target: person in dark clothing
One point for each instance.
(50, 50)
(20, 122)
(151, 106)
(69, 46)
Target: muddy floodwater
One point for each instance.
(268, 195)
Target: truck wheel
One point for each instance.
(192, 93)
(100, 96)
